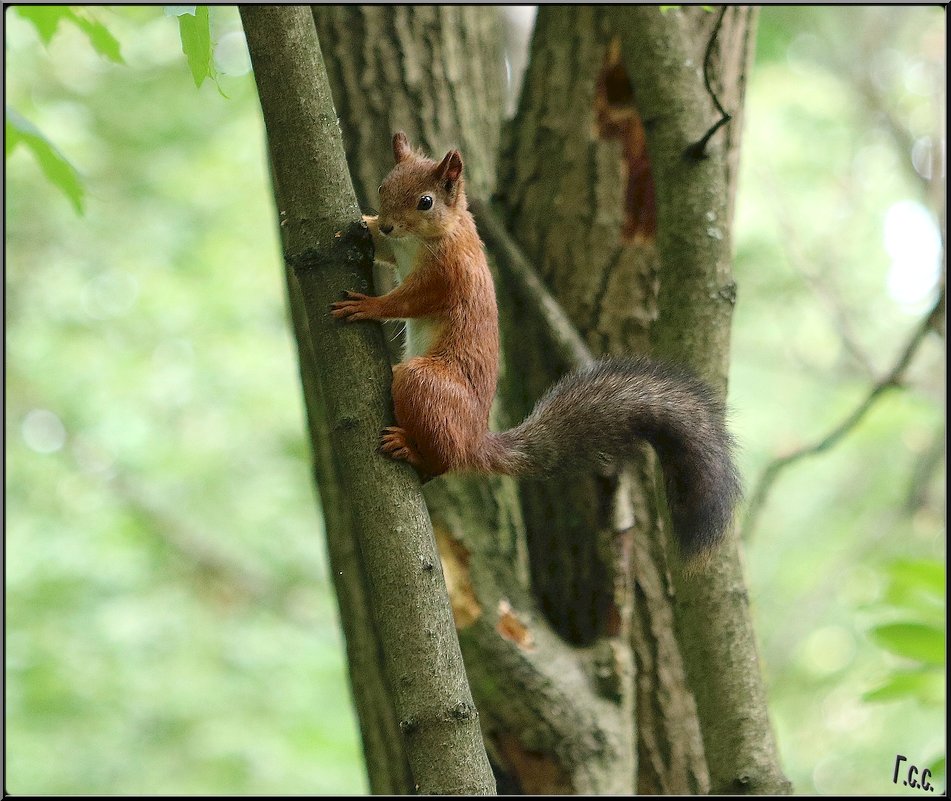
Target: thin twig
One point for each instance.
(698, 150)
(891, 380)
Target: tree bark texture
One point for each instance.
(667, 55)
(582, 184)
(548, 728)
(328, 251)
(379, 724)
(411, 69)
(577, 190)
(560, 589)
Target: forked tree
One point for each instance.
(590, 660)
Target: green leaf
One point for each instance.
(104, 43)
(177, 11)
(917, 586)
(46, 20)
(55, 166)
(925, 686)
(928, 575)
(912, 640)
(938, 767)
(195, 32)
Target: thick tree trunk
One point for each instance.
(432, 71)
(548, 725)
(328, 250)
(581, 187)
(695, 174)
(576, 185)
(559, 589)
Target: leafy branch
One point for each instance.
(916, 591)
(56, 167)
(18, 130)
(47, 19)
(195, 32)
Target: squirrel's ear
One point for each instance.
(450, 168)
(401, 148)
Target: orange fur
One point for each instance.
(443, 390)
(442, 397)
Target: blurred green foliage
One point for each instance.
(46, 19)
(170, 624)
(838, 252)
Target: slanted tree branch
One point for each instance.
(329, 252)
(550, 717)
(386, 762)
(561, 332)
(891, 380)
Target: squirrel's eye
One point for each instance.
(380, 189)
(425, 203)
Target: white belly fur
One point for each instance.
(419, 332)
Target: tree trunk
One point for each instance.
(695, 174)
(558, 732)
(559, 590)
(328, 250)
(577, 189)
(602, 200)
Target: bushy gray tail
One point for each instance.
(600, 412)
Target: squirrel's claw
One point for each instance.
(395, 444)
(351, 309)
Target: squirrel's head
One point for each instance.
(420, 197)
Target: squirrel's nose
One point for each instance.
(386, 229)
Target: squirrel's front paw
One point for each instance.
(357, 306)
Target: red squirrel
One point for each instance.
(444, 387)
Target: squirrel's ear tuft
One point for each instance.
(450, 168)
(401, 148)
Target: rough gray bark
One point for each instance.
(387, 765)
(695, 302)
(406, 65)
(557, 590)
(551, 724)
(329, 251)
(578, 181)
(576, 188)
